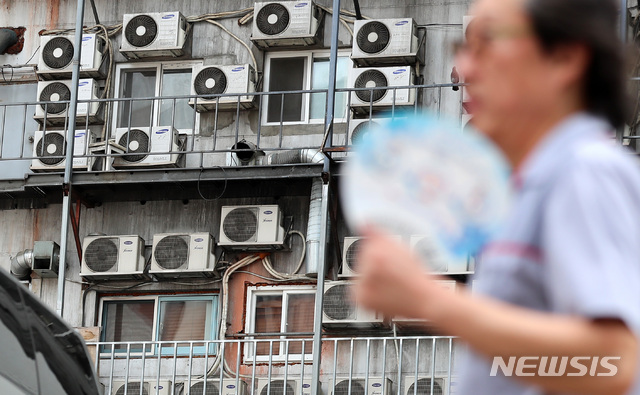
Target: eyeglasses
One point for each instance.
(481, 38)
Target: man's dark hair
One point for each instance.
(594, 24)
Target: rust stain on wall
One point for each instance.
(54, 13)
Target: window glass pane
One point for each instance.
(176, 83)
(126, 321)
(185, 320)
(286, 74)
(140, 83)
(300, 308)
(268, 319)
(320, 80)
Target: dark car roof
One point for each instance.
(41, 354)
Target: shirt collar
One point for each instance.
(544, 158)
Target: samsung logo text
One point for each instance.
(554, 366)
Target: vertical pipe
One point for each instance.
(317, 325)
(333, 68)
(314, 227)
(68, 169)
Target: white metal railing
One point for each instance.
(390, 365)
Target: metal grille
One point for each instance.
(424, 388)
(58, 53)
(357, 388)
(277, 388)
(360, 132)
(425, 250)
(55, 92)
(136, 141)
(198, 388)
(373, 37)
(371, 79)
(352, 254)
(101, 255)
(172, 252)
(210, 81)
(272, 19)
(51, 145)
(141, 31)
(338, 304)
(241, 224)
(134, 389)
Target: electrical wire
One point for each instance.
(224, 189)
(266, 262)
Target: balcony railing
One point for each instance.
(213, 136)
(390, 365)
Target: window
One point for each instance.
(295, 72)
(280, 312)
(137, 81)
(159, 318)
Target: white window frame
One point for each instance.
(159, 67)
(154, 349)
(306, 100)
(273, 290)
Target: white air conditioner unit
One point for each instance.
(183, 255)
(340, 310)
(286, 23)
(213, 386)
(218, 80)
(149, 387)
(107, 257)
(423, 386)
(58, 93)
(50, 147)
(423, 247)
(147, 147)
(277, 386)
(383, 77)
(359, 128)
(251, 227)
(350, 250)
(56, 57)
(371, 386)
(385, 41)
(156, 34)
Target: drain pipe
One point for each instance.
(22, 264)
(7, 38)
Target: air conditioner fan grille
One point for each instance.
(352, 254)
(141, 31)
(360, 132)
(172, 252)
(273, 19)
(210, 81)
(371, 79)
(137, 142)
(373, 37)
(101, 255)
(55, 92)
(241, 224)
(277, 388)
(424, 388)
(58, 53)
(51, 145)
(338, 303)
(133, 389)
(357, 388)
(198, 388)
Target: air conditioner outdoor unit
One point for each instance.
(277, 387)
(362, 100)
(362, 386)
(385, 41)
(251, 227)
(58, 93)
(229, 387)
(340, 310)
(286, 23)
(218, 80)
(350, 250)
(156, 34)
(56, 57)
(150, 387)
(437, 263)
(147, 147)
(183, 255)
(359, 128)
(107, 257)
(50, 147)
(423, 386)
